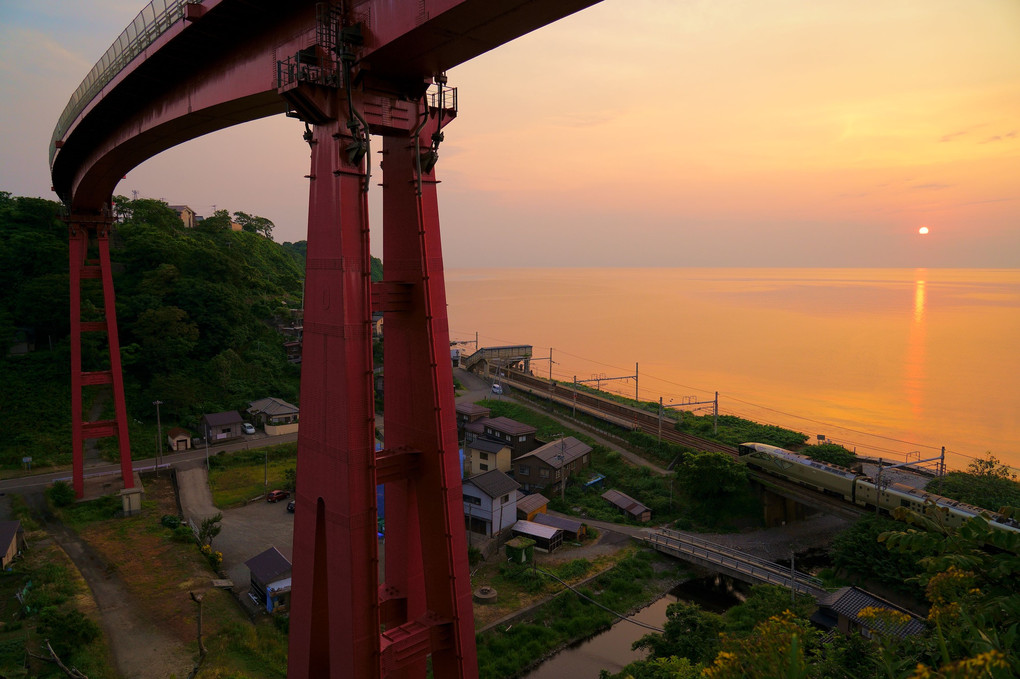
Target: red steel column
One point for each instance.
(113, 344)
(79, 230)
(78, 241)
(426, 545)
(334, 629)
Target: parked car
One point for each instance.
(277, 495)
(248, 428)
(497, 389)
(290, 506)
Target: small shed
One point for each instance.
(12, 540)
(270, 579)
(520, 550)
(528, 506)
(627, 504)
(572, 530)
(178, 439)
(547, 538)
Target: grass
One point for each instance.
(159, 572)
(238, 477)
(48, 581)
(640, 575)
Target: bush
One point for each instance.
(474, 556)
(61, 494)
(183, 533)
(66, 630)
(170, 521)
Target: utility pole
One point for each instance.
(715, 422)
(159, 435)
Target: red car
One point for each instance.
(277, 495)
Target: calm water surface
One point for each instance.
(887, 361)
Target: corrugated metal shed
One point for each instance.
(531, 503)
(572, 528)
(627, 504)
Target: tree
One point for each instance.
(688, 633)
(210, 528)
(711, 476)
(255, 224)
(990, 466)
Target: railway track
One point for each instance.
(611, 411)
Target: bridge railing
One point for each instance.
(154, 20)
(736, 560)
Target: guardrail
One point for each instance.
(735, 561)
(154, 20)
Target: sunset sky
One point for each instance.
(641, 133)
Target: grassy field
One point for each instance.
(238, 477)
(159, 571)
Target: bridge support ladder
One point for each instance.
(83, 230)
(338, 604)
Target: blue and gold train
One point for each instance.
(858, 488)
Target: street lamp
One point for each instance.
(159, 435)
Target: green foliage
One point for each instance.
(710, 476)
(67, 630)
(474, 556)
(689, 633)
(735, 430)
(210, 528)
(61, 494)
(831, 453)
(762, 603)
(170, 521)
(986, 484)
(83, 513)
(183, 533)
(858, 552)
(196, 309)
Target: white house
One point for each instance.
(490, 502)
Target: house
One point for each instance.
(270, 579)
(219, 427)
(186, 214)
(467, 413)
(12, 541)
(628, 505)
(530, 505)
(293, 350)
(548, 467)
(519, 436)
(482, 455)
(490, 502)
(842, 609)
(572, 530)
(275, 415)
(377, 324)
(178, 439)
(547, 538)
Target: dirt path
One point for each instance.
(140, 649)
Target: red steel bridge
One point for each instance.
(353, 71)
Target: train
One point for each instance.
(858, 488)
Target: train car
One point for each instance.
(821, 476)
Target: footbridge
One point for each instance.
(731, 562)
(352, 71)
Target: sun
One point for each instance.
(923, 231)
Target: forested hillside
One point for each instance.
(197, 308)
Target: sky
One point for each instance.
(818, 133)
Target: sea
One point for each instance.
(891, 363)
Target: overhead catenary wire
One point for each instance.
(876, 448)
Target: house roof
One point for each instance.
(507, 426)
(624, 502)
(272, 406)
(226, 417)
(493, 483)
(850, 601)
(472, 409)
(561, 522)
(531, 503)
(486, 445)
(8, 532)
(177, 432)
(536, 529)
(560, 452)
(268, 566)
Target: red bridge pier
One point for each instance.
(344, 621)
